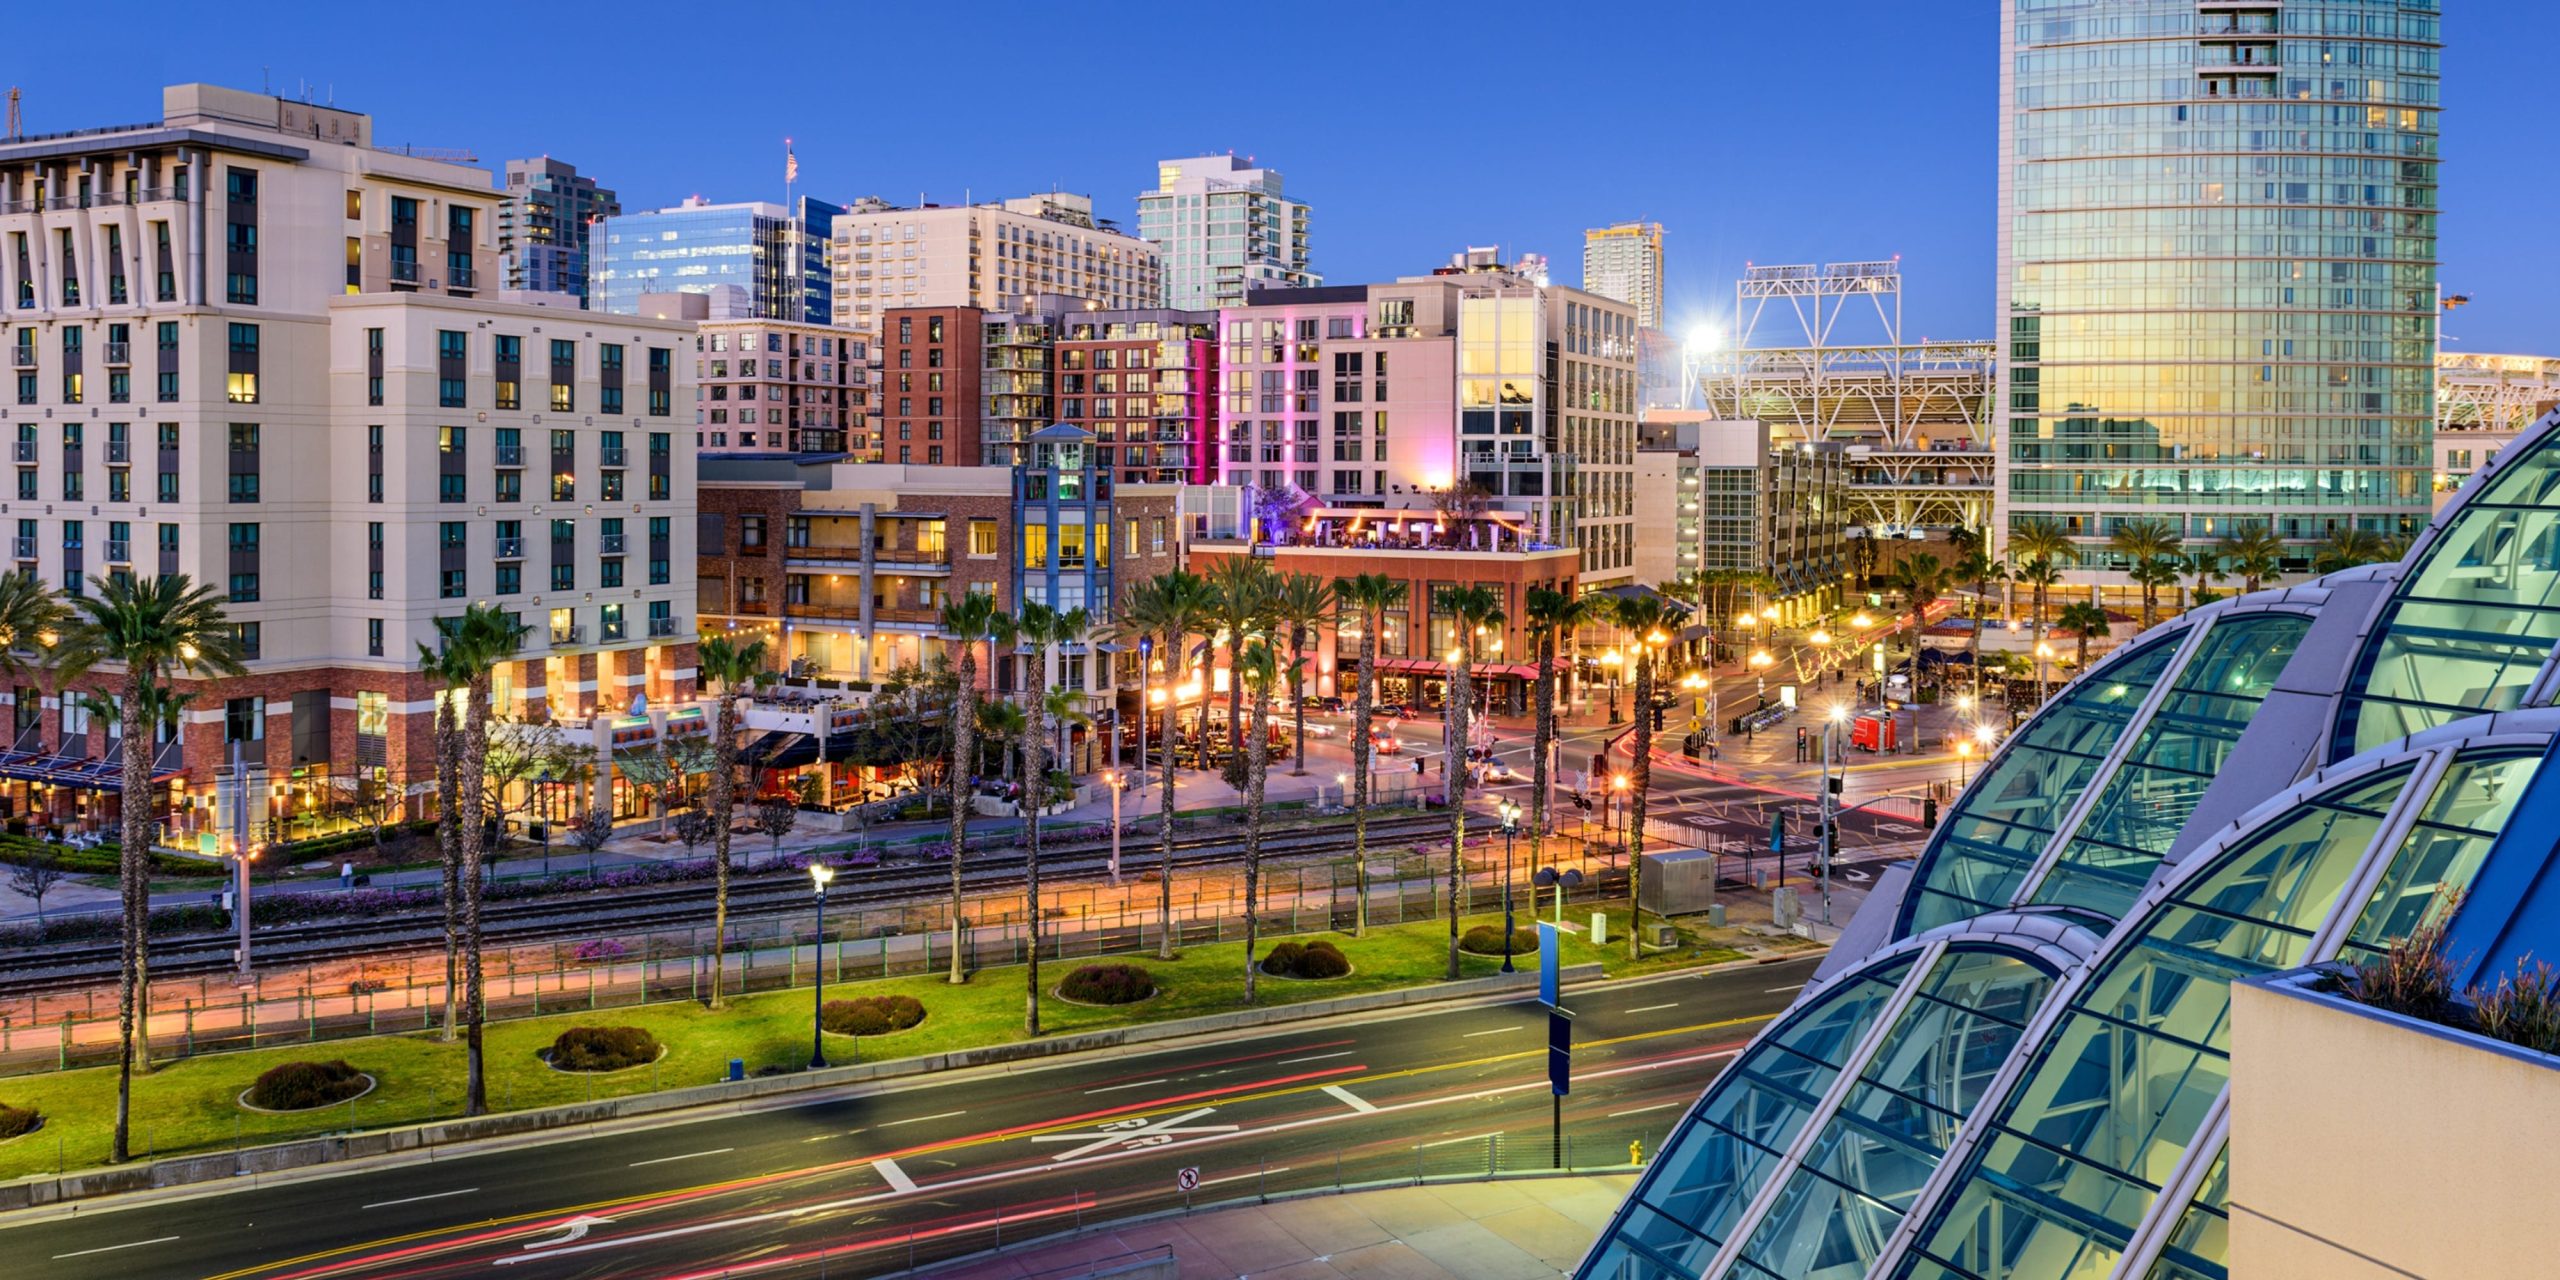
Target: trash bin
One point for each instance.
(737, 1068)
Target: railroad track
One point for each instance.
(750, 897)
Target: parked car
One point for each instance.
(1328, 705)
(1385, 744)
(1394, 711)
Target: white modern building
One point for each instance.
(1225, 228)
(1624, 261)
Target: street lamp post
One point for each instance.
(1113, 779)
(1609, 660)
(819, 874)
(1830, 841)
(543, 785)
(1510, 824)
(1964, 762)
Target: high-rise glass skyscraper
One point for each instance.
(547, 225)
(779, 261)
(2217, 267)
(1225, 228)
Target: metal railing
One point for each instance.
(22, 357)
(661, 628)
(119, 353)
(610, 456)
(611, 544)
(404, 273)
(119, 551)
(462, 277)
(119, 451)
(25, 548)
(511, 548)
(25, 450)
(511, 455)
(574, 633)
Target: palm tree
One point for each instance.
(1470, 610)
(443, 667)
(1922, 580)
(1300, 605)
(2203, 564)
(484, 637)
(1982, 567)
(2348, 546)
(154, 628)
(1552, 617)
(1244, 594)
(970, 620)
(1258, 667)
(2253, 554)
(2037, 538)
(2039, 574)
(1175, 606)
(1369, 596)
(736, 667)
(1040, 629)
(2151, 575)
(2086, 622)
(2141, 543)
(1641, 616)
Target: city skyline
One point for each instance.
(1394, 197)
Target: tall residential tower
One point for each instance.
(1624, 261)
(2217, 266)
(547, 224)
(1225, 228)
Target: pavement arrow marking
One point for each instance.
(1131, 1134)
(577, 1226)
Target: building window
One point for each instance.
(372, 649)
(244, 720)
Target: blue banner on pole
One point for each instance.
(1559, 1053)
(1548, 962)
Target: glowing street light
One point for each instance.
(819, 874)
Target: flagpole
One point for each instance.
(791, 233)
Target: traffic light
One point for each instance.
(1657, 719)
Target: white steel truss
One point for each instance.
(2477, 392)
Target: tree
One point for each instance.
(2086, 622)
(154, 628)
(443, 669)
(1921, 579)
(661, 770)
(36, 876)
(2347, 547)
(2142, 543)
(2151, 575)
(2205, 566)
(1245, 590)
(1175, 606)
(1041, 631)
(1300, 605)
(1368, 596)
(1981, 565)
(1460, 503)
(521, 754)
(1257, 668)
(695, 828)
(1552, 617)
(735, 668)
(482, 638)
(775, 817)
(379, 805)
(1470, 609)
(2039, 574)
(970, 620)
(1641, 616)
(591, 831)
(2253, 554)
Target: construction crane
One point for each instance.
(13, 129)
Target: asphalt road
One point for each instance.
(939, 1167)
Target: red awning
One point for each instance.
(1435, 667)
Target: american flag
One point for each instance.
(790, 163)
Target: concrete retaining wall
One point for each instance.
(185, 1170)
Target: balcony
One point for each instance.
(119, 451)
(612, 632)
(511, 455)
(511, 548)
(119, 551)
(463, 277)
(404, 273)
(661, 628)
(26, 450)
(24, 547)
(573, 634)
(22, 358)
(119, 354)
(610, 455)
(913, 556)
(611, 544)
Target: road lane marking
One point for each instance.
(1350, 1099)
(111, 1248)
(1132, 1134)
(1656, 1008)
(893, 1175)
(1492, 1032)
(1239, 1177)
(414, 1199)
(1637, 1111)
(1284, 1062)
(921, 1119)
(1781, 990)
(1451, 1142)
(690, 1155)
(1134, 1084)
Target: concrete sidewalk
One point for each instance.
(1527, 1229)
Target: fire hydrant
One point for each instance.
(1635, 1152)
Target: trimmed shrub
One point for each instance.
(300, 1086)
(2523, 1009)
(870, 1015)
(604, 1048)
(1108, 984)
(1486, 940)
(18, 1120)
(1315, 960)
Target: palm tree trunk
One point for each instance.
(1639, 782)
(1454, 770)
(1164, 809)
(723, 799)
(1257, 770)
(1298, 700)
(1541, 735)
(964, 734)
(133, 1017)
(449, 844)
(475, 755)
(1363, 748)
(1035, 787)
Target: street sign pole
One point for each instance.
(1559, 1073)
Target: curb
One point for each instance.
(180, 1171)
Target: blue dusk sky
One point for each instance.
(1764, 133)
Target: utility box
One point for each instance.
(1782, 907)
(1715, 915)
(1679, 882)
(1599, 928)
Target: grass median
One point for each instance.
(189, 1105)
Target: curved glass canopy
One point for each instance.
(2474, 620)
